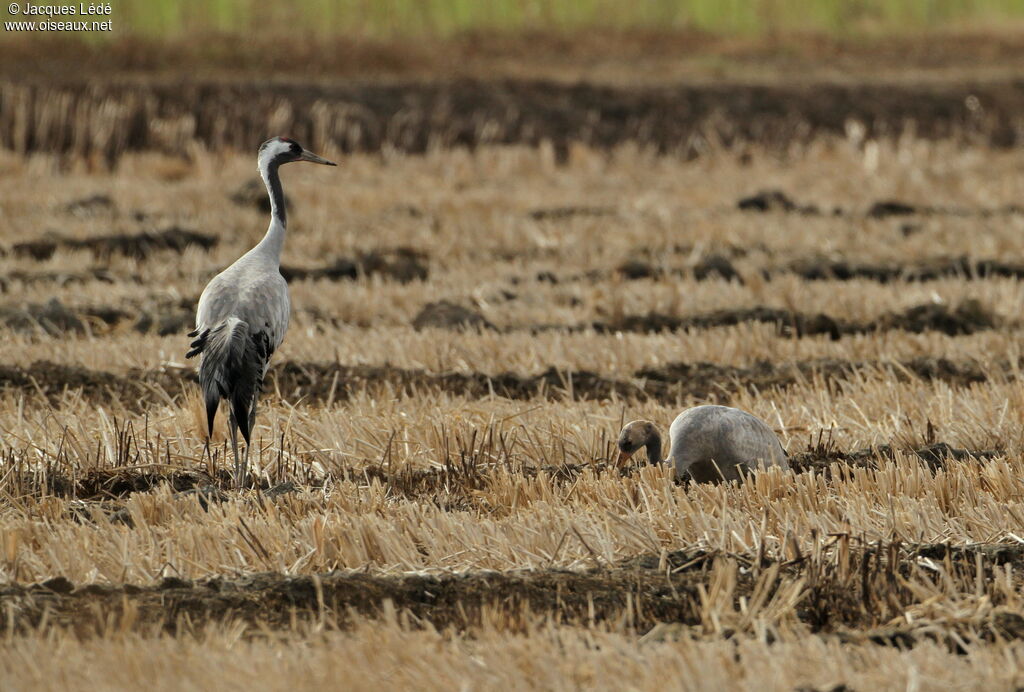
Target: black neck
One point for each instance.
(654, 448)
(273, 182)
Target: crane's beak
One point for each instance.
(313, 158)
(623, 458)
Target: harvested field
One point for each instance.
(497, 276)
(413, 117)
(648, 591)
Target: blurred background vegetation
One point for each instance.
(385, 19)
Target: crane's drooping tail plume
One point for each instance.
(232, 369)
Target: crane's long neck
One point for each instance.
(654, 448)
(273, 241)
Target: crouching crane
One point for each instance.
(243, 312)
(710, 443)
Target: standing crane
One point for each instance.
(243, 312)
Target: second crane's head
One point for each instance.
(639, 433)
(278, 150)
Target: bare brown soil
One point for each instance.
(319, 382)
(400, 264)
(856, 588)
(966, 318)
(716, 266)
(960, 267)
(138, 246)
(175, 317)
(778, 201)
(64, 278)
(406, 264)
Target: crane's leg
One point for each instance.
(252, 426)
(233, 427)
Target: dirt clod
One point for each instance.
(402, 264)
(891, 207)
(447, 315)
(51, 317)
(342, 268)
(968, 317)
(715, 266)
(636, 269)
(767, 200)
(89, 206)
(168, 583)
(61, 585)
(773, 200)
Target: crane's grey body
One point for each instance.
(252, 291)
(244, 311)
(712, 443)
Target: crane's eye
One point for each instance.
(295, 149)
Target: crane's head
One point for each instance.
(278, 150)
(639, 433)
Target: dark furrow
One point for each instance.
(720, 267)
(176, 317)
(968, 317)
(401, 264)
(852, 590)
(779, 201)
(138, 246)
(314, 383)
(405, 265)
(955, 268)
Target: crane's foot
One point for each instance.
(243, 479)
